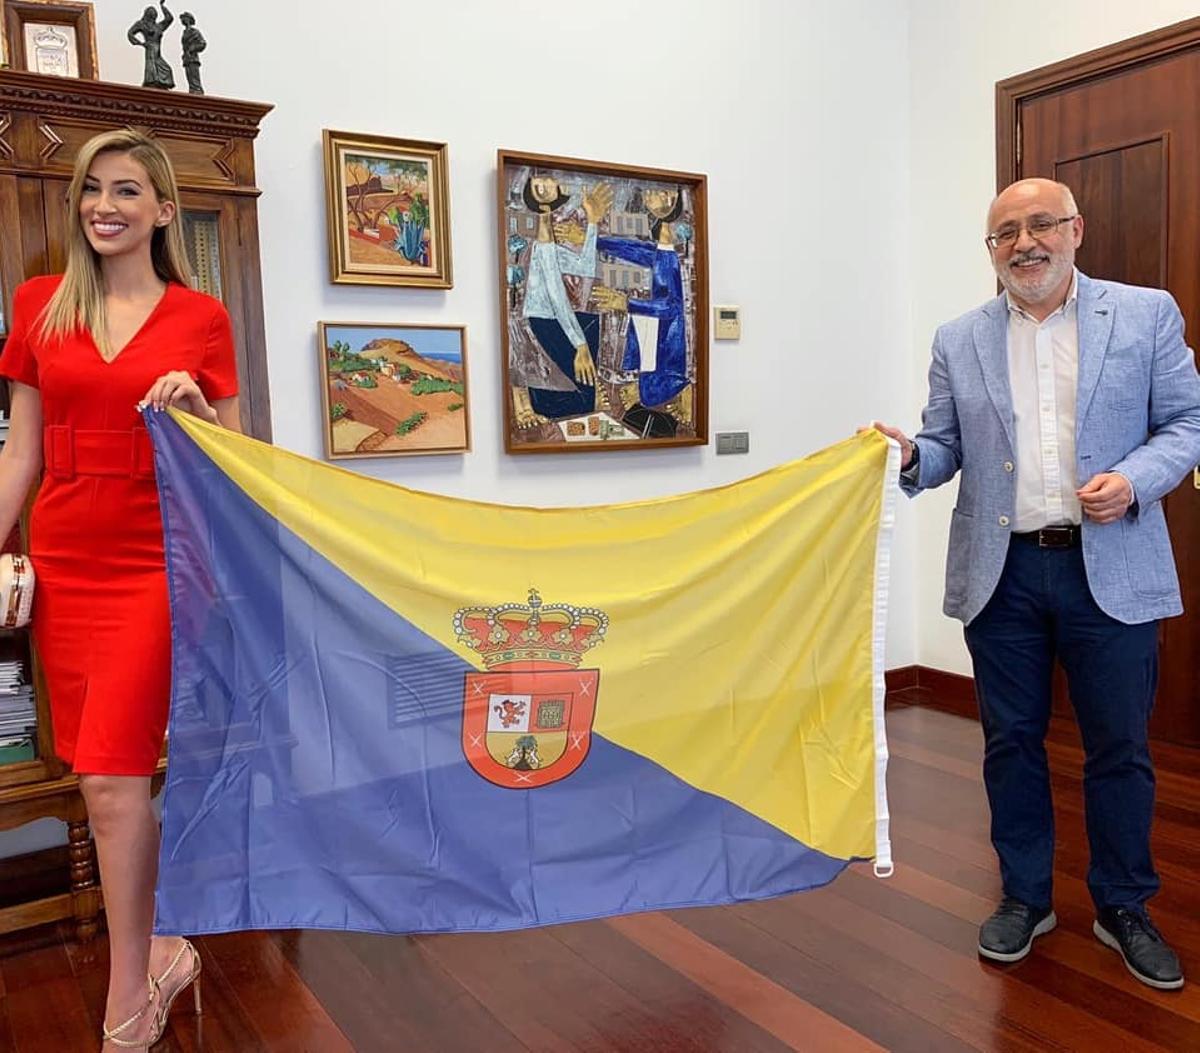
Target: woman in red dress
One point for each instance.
(120, 330)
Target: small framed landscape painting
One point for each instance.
(390, 390)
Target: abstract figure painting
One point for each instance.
(604, 301)
(388, 209)
(390, 390)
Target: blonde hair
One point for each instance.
(78, 303)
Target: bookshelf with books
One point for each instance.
(34, 784)
(43, 122)
(18, 706)
(26, 750)
(18, 698)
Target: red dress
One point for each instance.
(101, 621)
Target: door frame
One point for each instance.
(1090, 65)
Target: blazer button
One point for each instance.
(1004, 520)
(1008, 466)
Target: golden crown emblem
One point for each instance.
(534, 631)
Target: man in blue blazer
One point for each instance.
(1071, 407)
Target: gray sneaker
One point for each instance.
(1009, 933)
(1130, 932)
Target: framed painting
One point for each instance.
(54, 37)
(388, 207)
(391, 390)
(603, 277)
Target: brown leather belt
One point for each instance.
(71, 451)
(1052, 537)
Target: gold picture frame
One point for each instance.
(393, 389)
(387, 210)
(51, 37)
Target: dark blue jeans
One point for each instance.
(1041, 610)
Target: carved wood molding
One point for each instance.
(6, 149)
(224, 159)
(85, 100)
(53, 142)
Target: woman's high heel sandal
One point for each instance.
(169, 993)
(114, 1034)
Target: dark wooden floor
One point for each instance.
(864, 964)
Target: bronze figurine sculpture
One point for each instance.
(193, 44)
(157, 74)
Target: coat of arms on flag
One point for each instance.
(527, 721)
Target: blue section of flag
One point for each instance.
(317, 777)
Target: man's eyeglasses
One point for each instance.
(1039, 227)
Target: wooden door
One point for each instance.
(1121, 127)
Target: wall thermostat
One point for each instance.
(727, 323)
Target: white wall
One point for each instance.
(958, 50)
(797, 111)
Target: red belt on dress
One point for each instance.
(71, 451)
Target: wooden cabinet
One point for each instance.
(43, 122)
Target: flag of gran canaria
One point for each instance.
(400, 712)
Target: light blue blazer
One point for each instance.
(1137, 413)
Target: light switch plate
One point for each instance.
(733, 442)
(727, 322)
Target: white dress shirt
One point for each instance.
(1043, 373)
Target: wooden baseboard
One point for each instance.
(903, 678)
(920, 685)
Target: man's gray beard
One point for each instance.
(1033, 293)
